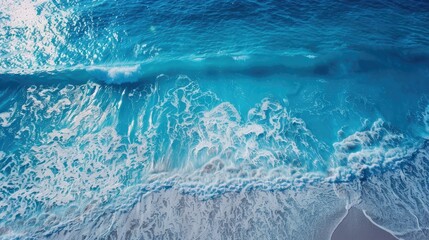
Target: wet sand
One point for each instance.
(356, 226)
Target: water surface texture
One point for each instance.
(212, 119)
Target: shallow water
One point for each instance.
(223, 119)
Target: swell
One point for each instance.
(353, 61)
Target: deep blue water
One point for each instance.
(212, 119)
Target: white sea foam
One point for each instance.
(241, 57)
(78, 157)
(376, 147)
(126, 71)
(7, 118)
(252, 128)
(249, 215)
(116, 74)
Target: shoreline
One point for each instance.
(357, 226)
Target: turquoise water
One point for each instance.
(223, 119)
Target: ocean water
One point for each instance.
(212, 119)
